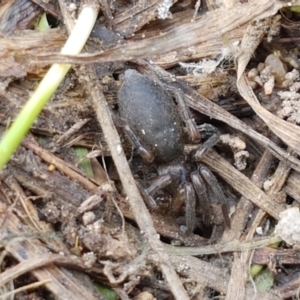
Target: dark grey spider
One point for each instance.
(153, 123)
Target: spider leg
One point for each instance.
(150, 202)
(202, 194)
(159, 183)
(214, 137)
(147, 156)
(211, 180)
(144, 153)
(190, 207)
(187, 118)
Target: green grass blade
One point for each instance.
(14, 135)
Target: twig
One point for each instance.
(221, 248)
(138, 207)
(64, 167)
(24, 288)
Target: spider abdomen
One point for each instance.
(152, 115)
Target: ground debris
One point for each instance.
(60, 212)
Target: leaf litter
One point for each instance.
(114, 238)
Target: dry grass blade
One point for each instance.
(213, 25)
(292, 187)
(31, 264)
(17, 15)
(24, 288)
(35, 41)
(263, 256)
(134, 18)
(233, 246)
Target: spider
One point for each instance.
(154, 124)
